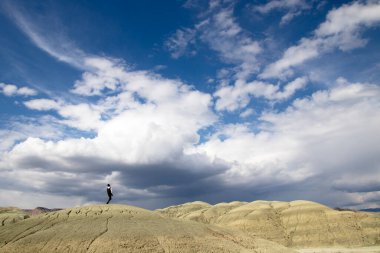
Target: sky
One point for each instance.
(177, 101)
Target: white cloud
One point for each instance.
(42, 104)
(146, 128)
(341, 29)
(234, 97)
(54, 42)
(247, 113)
(81, 116)
(350, 18)
(293, 7)
(103, 74)
(12, 90)
(330, 136)
(280, 4)
(291, 88)
(17, 129)
(238, 96)
(179, 42)
(143, 126)
(224, 35)
(219, 29)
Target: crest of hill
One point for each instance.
(122, 228)
(292, 224)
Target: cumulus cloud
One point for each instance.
(141, 131)
(144, 127)
(152, 150)
(81, 116)
(341, 30)
(102, 74)
(145, 130)
(10, 90)
(42, 104)
(238, 96)
(329, 136)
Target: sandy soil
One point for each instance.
(374, 249)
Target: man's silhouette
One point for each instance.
(109, 193)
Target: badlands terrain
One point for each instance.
(259, 226)
(293, 224)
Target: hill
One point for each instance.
(292, 224)
(122, 228)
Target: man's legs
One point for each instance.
(109, 199)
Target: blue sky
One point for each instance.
(189, 100)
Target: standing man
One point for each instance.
(109, 193)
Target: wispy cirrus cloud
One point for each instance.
(179, 43)
(219, 29)
(341, 30)
(293, 8)
(55, 43)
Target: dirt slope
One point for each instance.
(292, 224)
(121, 228)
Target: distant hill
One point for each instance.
(14, 214)
(374, 210)
(39, 210)
(292, 224)
(122, 228)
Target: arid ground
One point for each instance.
(260, 226)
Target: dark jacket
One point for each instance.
(109, 191)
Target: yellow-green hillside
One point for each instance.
(292, 224)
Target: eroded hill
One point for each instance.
(292, 224)
(122, 228)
